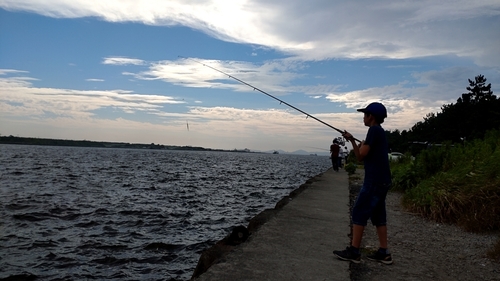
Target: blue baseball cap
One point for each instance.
(375, 108)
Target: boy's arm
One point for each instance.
(360, 150)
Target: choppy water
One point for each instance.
(71, 213)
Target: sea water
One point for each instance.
(77, 213)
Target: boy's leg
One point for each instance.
(382, 254)
(379, 220)
(357, 235)
(382, 236)
(366, 201)
(352, 253)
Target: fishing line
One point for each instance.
(267, 94)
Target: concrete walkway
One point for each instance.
(297, 243)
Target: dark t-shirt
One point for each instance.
(334, 150)
(377, 170)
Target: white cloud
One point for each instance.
(68, 113)
(253, 128)
(94, 80)
(408, 105)
(122, 61)
(405, 101)
(315, 29)
(274, 124)
(67, 102)
(195, 73)
(9, 71)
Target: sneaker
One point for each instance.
(348, 255)
(380, 257)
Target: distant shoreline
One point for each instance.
(106, 144)
(86, 143)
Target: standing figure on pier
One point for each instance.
(370, 202)
(346, 155)
(334, 154)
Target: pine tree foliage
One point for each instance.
(474, 113)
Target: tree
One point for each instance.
(478, 91)
(475, 113)
(480, 107)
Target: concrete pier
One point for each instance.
(297, 243)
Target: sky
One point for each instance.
(137, 70)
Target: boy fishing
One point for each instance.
(370, 203)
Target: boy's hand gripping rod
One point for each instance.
(269, 95)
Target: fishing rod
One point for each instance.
(267, 94)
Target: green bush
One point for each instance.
(404, 176)
(350, 168)
(455, 184)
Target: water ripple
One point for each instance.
(117, 214)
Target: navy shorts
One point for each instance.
(370, 204)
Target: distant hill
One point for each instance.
(86, 143)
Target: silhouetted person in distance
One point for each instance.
(341, 156)
(334, 154)
(346, 155)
